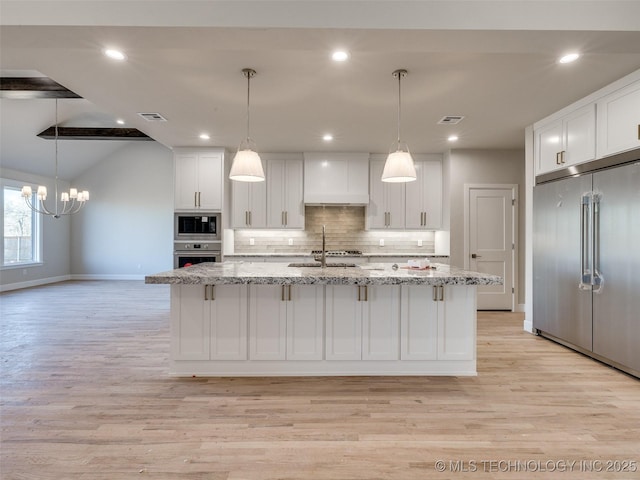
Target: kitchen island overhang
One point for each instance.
(269, 319)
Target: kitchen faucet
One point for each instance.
(322, 258)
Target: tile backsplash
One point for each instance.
(344, 231)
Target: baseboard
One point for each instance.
(99, 276)
(528, 326)
(34, 283)
(520, 308)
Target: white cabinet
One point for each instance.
(619, 121)
(285, 207)
(199, 179)
(386, 200)
(566, 141)
(209, 322)
(424, 196)
(419, 323)
(285, 322)
(249, 204)
(336, 178)
(362, 322)
(438, 322)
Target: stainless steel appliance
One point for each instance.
(197, 226)
(586, 262)
(192, 253)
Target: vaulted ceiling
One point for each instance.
(495, 63)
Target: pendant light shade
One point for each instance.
(247, 165)
(399, 166)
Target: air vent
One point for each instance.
(450, 120)
(153, 117)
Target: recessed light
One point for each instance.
(327, 137)
(115, 54)
(340, 55)
(204, 136)
(569, 57)
(452, 138)
(120, 121)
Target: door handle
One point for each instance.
(585, 275)
(596, 278)
(475, 255)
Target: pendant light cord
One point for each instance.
(248, 74)
(399, 107)
(56, 150)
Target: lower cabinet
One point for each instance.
(330, 329)
(209, 322)
(286, 322)
(362, 322)
(438, 323)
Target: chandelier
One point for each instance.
(70, 202)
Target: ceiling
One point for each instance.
(500, 79)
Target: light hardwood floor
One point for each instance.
(85, 395)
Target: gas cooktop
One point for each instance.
(338, 253)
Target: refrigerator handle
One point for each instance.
(585, 274)
(596, 278)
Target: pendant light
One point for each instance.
(71, 201)
(399, 166)
(247, 166)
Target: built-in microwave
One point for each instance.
(197, 226)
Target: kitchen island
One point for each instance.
(258, 319)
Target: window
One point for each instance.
(20, 228)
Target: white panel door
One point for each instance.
(619, 121)
(305, 322)
(548, 145)
(228, 322)
(380, 322)
(276, 193)
(580, 136)
(343, 323)
(257, 204)
(457, 323)
(491, 243)
(424, 196)
(267, 322)
(210, 172)
(240, 204)
(418, 323)
(190, 325)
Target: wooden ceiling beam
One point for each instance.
(98, 133)
(33, 87)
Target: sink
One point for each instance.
(316, 264)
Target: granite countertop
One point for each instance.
(308, 254)
(231, 273)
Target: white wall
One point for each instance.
(126, 230)
(56, 235)
(485, 166)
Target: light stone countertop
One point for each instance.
(233, 273)
(308, 254)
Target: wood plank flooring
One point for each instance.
(85, 395)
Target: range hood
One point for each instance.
(336, 178)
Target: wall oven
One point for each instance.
(200, 226)
(186, 253)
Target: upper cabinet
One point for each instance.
(285, 207)
(619, 121)
(566, 141)
(276, 202)
(424, 196)
(386, 200)
(199, 179)
(336, 178)
(248, 204)
(413, 205)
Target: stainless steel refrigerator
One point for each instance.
(586, 264)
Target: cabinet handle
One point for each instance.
(435, 293)
(442, 293)
(638, 132)
(558, 156)
(195, 199)
(206, 293)
(562, 157)
(286, 218)
(289, 291)
(282, 218)
(199, 193)
(213, 293)
(246, 217)
(359, 298)
(282, 294)
(366, 293)
(250, 219)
